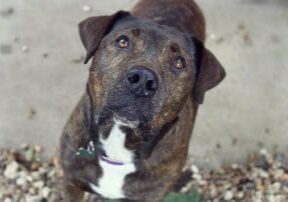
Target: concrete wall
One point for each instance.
(41, 77)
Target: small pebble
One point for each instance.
(187, 187)
(258, 197)
(263, 174)
(278, 174)
(21, 182)
(194, 169)
(202, 182)
(258, 184)
(32, 191)
(34, 198)
(38, 148)
(45, 192)
(86, 8)
(38, 184)
(213, 190)
(197, 177)
(212, 36)
(8, 200)
(24, 146)
(234, 166)
(24, 49)
(276, 187)
(36, 175)
(11, 170)
(30, 178)
(263, 152)
(228, 196)
(240, 195)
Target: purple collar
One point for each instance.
(109, 161)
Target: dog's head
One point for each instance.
(142, 73)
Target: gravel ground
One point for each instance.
(263, 178)
(26, 177)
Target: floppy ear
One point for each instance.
(93, 29)
(210, 72)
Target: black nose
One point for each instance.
(142, 81)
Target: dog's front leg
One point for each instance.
(71, 193)
(95, 198)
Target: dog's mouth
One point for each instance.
(136, 116)
(128, 121)
(134, 126)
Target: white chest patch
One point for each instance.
(110, 185)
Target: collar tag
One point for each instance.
(88, 153)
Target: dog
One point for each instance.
(128, 137)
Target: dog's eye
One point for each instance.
(122, 42)
(179, 62)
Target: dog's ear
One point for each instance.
(93, 29)
(210, 71)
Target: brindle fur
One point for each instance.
(173, 23)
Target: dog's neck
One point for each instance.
(174, 144)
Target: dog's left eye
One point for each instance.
(122, 42)
(179, 63)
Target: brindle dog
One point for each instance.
(149, 72)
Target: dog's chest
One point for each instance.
(110, 184)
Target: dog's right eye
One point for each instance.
(179, 63)
(122, 42)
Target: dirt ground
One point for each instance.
(42, 75)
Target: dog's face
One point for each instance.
(143, 73)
